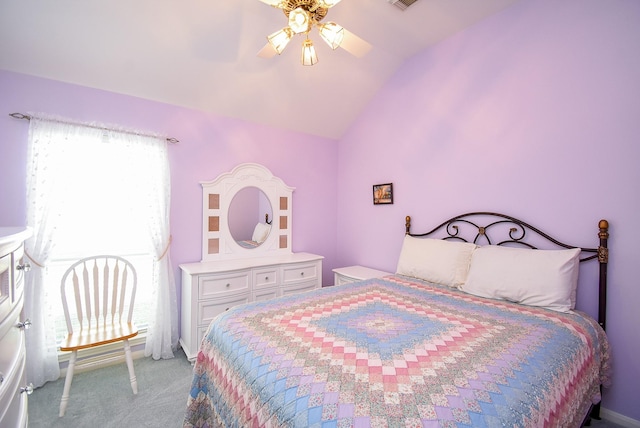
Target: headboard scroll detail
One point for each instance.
(516, 232)
(513, 231)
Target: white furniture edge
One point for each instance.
(354, 273)
(195, 275)
(226, 186)
(619, 419)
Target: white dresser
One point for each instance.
(212, 287)
(13, 385)
(247, 255)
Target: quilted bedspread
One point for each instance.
(395, 352)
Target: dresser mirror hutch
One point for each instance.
(246, 250)
(245, 213)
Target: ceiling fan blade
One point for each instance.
(274, 3)
(267, 51)
(354, 44)
(327, 3)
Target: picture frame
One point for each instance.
(383, 194)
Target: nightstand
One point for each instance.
(349, 274)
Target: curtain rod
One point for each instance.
(27, 117)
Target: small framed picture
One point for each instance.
(382, 194)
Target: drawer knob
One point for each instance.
(1, 378)
(227, 309)
(25, 267)
(266, 278)
(228, 285)
(28, 389)
(301, 273)
(24, 325)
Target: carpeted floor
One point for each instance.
(103, 398)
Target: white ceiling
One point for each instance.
(202, 54)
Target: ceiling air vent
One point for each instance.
(402, 4)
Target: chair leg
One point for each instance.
(67, 383)
(132, 374)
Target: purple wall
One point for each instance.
(534, 112)
(209, 145)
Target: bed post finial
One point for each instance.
(603, 251)
(407, 224)
(604, 228)
(603, 259)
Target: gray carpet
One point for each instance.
(103, 398)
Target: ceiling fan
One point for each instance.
(302, 16)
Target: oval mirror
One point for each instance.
(248, 213)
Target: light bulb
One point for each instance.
(309, 56)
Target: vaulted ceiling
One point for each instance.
(202, 54)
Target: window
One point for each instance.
(102, 209)
(92, 189)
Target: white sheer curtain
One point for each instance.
(162, 333)
(43, 212)
(52, 144)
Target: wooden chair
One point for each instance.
(98, 295)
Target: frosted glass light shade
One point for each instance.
(299, 20)
(280, 39)
(309, 56)
(332, 33)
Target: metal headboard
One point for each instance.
(487, 228)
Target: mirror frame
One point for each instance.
(217, 194)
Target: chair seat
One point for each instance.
(96, 336)
(102, 290)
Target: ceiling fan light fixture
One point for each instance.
(299, 20)
(332, 33)
(302, 16)
(280, 39)
(309, 56)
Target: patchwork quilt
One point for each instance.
(395, 352)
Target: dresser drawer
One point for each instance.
(300, 288)
(5, 286)
(263, 294)
(265, 277)
(208, 310)
(18, 272)
(13, 403)
(300, 272)
(214, 285)
(341, 279)
(11, 362)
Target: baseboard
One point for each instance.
(619, 419)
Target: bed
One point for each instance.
(461, 335)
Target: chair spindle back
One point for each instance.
(103, 290)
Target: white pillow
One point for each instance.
(260, 232)
(545, 278)
(435, 260)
